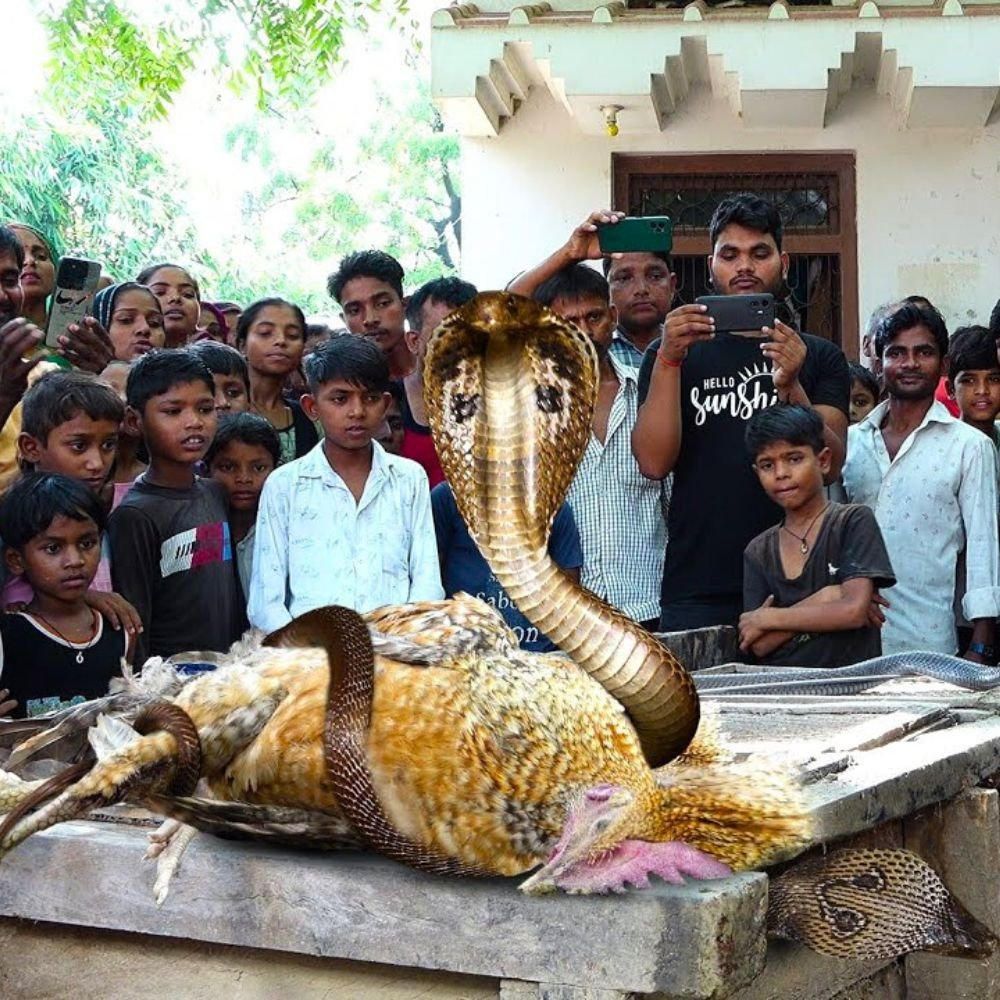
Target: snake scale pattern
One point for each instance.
(510, 391)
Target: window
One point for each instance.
(814, 193)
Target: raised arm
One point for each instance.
(656, 437)
(786, 351)
(581, 245)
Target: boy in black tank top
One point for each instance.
(808, 582)
(58, 650)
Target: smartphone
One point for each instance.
(739, 312)
(76, 281)
(646, 234)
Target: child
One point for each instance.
(271, 335)
(864, 393)
(244, 453)
(230, 374)
(170, 548)
(128, 466)
(179, 299)
(58, 649)
(808, 582)
(347, 524)
(390, 435)
(69, 426)
(132, 316)
(974, 378)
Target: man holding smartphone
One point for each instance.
(642, 285)
(698, 389)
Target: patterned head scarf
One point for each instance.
(102, 306)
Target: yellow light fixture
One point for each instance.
(610, 112)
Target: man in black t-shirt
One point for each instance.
(698, 389)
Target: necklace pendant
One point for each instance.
(804, 547)
(79, 656)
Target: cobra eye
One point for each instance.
(549, 398)
(464, 407)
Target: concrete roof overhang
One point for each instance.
(782, 66)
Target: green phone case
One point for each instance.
(648, 234)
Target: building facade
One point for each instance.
(876, 128)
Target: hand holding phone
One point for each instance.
(786, 351)
(76, 282)
(739, 313)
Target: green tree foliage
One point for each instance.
(84, 166)
(93, 183)
(282, 50)
(398, 191)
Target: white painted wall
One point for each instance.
(928, 200)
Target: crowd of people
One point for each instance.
(177, 470)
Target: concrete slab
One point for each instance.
(701, 940)
(52, 962)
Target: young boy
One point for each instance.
(246, 450)
(171, 554)
(392, 432)
(69, 426)
(347, 523)
(58, 650)
(369, 288)
(974, 378)
(229, 373)
(808, 582)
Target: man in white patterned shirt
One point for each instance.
(347, 523)
(620, 514)
(932, 482)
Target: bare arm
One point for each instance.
(18, 340)
(833, 609)
(786, 351)
(581, 245)
(656, 437)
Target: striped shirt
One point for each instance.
(621, 515)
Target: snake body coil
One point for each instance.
(858, 677)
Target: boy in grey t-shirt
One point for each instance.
(171, 551)
(808, 582)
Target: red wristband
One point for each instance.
(666, 362)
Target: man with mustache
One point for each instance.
(698, 390)
(932, 482)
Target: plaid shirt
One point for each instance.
(621, 515)
(624, 351)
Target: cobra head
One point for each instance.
(595, 855)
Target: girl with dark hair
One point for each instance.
(180, 300)
(131, 314)
(271, 335)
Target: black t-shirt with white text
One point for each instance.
(718, 505)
